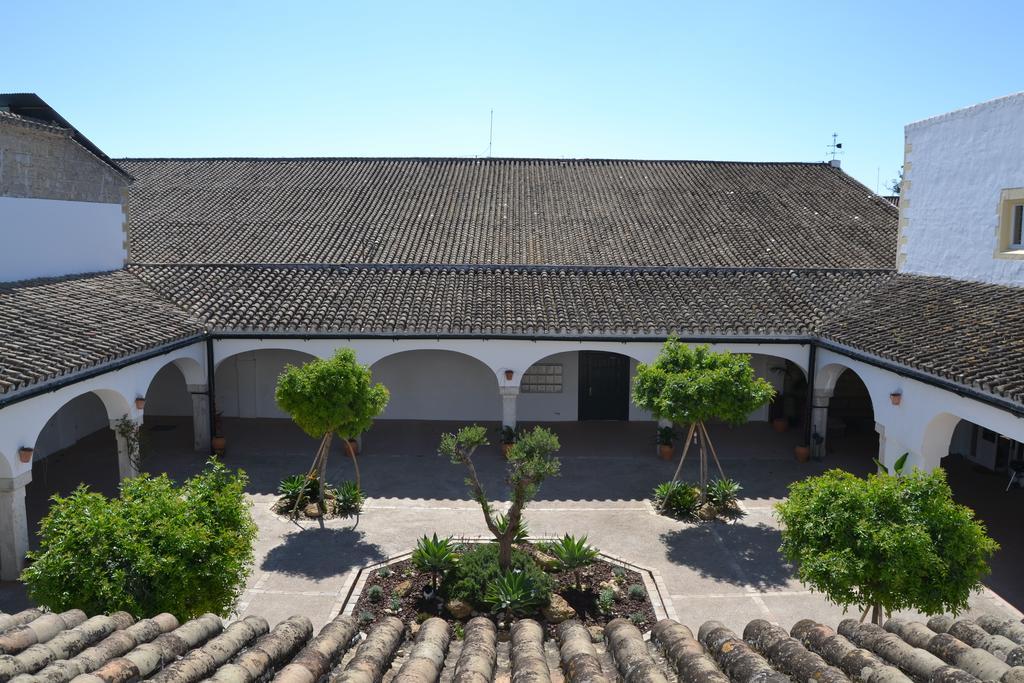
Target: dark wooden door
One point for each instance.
(604, 386)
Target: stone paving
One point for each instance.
(730, 572)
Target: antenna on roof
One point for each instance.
(490, 136)
(836, 147)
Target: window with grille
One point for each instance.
(542, 378)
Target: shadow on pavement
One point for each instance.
(321, 553)
(739, 554)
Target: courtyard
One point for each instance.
(731, 572)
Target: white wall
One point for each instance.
(554, 407)
(79, 417)
(956, 166)
(438, 385)
(245, 383)
(49, 237)
(168, 394)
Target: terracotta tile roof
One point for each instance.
(506, 212)
(18, 119)
(509, 301)
(967, 332)
(58, 648)
(54, 327)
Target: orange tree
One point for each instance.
(691, 385)
(327, 397)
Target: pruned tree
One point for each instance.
(691, 385)
(529, 462)
(885, 543)
(327, 397)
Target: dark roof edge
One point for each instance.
(31, 102)
(492, 267)
(474, 158)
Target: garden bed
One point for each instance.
(397, 588)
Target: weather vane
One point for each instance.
(836, 146)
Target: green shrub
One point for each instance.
(348, 499)
(291, 487)
(365, 618)
(434, 555)
(637, 619)
(458, 631)
(396, 602)
(478, 568)
(573, 554)
(155, 548)
(606, 601)
(722, 493)
(515, 594)
(677, 498)
(375, 593)
(637, 592)
(384, 572)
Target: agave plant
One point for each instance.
(434, 555)
(514, 595)
(348, 499)
(677, 498)
(522, 532)
(573, 554)
(723, 492)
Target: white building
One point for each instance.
(505, 289)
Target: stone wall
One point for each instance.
(45, 163)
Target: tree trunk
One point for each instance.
(355, 462)
(322, 474)
(877, 614)
(505, 549)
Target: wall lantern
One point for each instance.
(509, 374)
(25, 454)
(140, 403)
(896, 397)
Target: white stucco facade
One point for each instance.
(51, 237)
(956, 168)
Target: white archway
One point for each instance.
(436, 384)
(244, 382)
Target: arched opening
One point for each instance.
(431, 392)
(851, 419)
(787, 410)
(979, 464)
(167, 418)
(579, 386)
(76, 446)
(246, 412)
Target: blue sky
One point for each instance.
(710, 80)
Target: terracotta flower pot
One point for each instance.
(505, 448)
(219, 444)
(140, 403)
(354, 445)
(25, 454)
(803, 453)
(509, 374)
(780, 424)
(896, 398)
(665, 451)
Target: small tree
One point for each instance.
(530, 461)
(884, 543)
(327, 397)
(689, 386)
(155, 548)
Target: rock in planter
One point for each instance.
(547, 562)
(558, 610)
(460, 609)
(403, 589)
(612, 586)
(312, 510)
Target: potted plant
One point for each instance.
(25, 454)
(218, 444)
(665, 438)
(508, 439)
(353, 443)
(802, 452)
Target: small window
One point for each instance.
(1017, 229)
(542, 378)
(1011, 224)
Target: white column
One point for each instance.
(125, 467)
(819, 421)
(880, 429)
(508, 405)
(200, 418)
(13, 526)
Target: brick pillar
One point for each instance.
(819, 422)
(125, 467)
(200, 418)
(13, 526)
(508, 406)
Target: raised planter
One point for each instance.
(655, 587)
